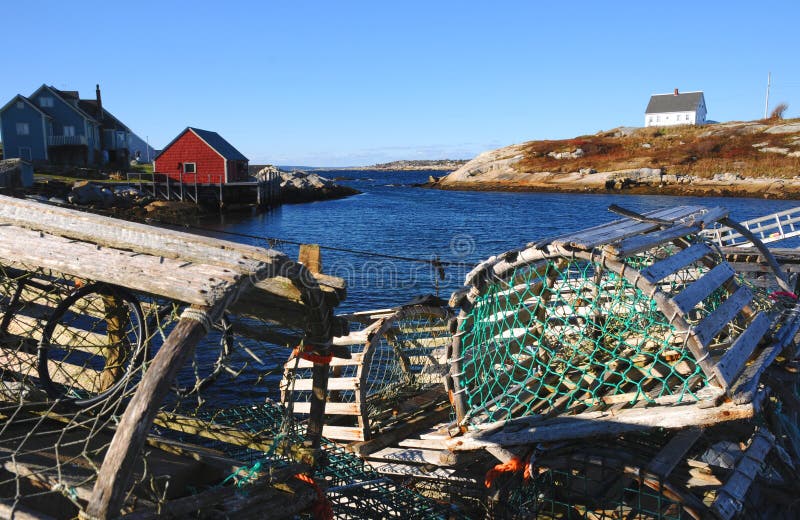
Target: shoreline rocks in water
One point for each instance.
(299, 186)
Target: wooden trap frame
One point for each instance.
(395, 370)
(121, 344)
(631, 325)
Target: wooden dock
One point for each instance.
(264, 193)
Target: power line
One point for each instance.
(274, 240)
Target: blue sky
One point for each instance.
(341, 83)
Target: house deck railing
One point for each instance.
(66, 140)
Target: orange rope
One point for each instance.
(321, 508)
(514, 465)
(308, 356)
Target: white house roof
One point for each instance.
(685, 102)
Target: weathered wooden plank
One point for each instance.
(405, 430)
(729, 499)
(745, 387)
(672, 264)
(623, 228)
(712, 324)
(335, 362)
(702, 288)
(330, 408)
(409, 455)
(354, 338)
(334, 383)
(182, 281)
(407, 470)
(637, 244)
(131, 236)
(671, 454)
(343, 433)
(593, 424)
(427, 444)
(734, 359)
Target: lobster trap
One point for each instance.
(634, 324)
(396, 365)
(124, 349)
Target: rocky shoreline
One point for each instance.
(121, 200)
(633, 182)
(745, 159)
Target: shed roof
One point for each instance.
(660, 103)
(212, 139)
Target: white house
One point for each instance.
(687, 108)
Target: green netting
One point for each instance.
(564, 334)
(354, 489)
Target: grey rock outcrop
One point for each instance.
(788, 128)
(301, 186)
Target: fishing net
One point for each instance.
(72, 354)
(567, 332)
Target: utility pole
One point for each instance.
(766, 102)
(147, 141)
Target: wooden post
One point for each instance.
(115, 351)
(319, 395)
(310, 257)
(114, 476)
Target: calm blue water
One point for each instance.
(393, 218)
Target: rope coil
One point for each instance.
(199, 316)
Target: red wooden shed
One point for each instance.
(203, 157)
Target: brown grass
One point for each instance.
(685, 150)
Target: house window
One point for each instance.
(69, 131)
(25, 153)
(189, 167)
(23, 129)
(20, 105)
(45, 102)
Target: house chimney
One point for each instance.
(100, 103)
(98, 93)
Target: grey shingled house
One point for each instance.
(687, 108)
